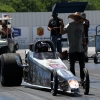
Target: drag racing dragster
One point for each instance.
(43, 68)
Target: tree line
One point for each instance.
(40, 5)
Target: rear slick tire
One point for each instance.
(11, 73)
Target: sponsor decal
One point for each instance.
(40, 31)
(56, 65)
(17, 32)
(51, 61)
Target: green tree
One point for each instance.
(40, 5)
(6, 8)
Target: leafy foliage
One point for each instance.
(40, 5)
(6, 8)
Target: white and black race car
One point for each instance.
(43, 69)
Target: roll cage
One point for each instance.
(50, 43)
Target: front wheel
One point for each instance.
(54, 82)
(86, 82)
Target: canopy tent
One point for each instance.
(69, 7)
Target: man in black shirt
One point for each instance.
(54, 28)
(86, 24)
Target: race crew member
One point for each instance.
(42, 47)
(54, 28)
(86, 24)
(76, 38)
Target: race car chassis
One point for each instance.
(56, 79)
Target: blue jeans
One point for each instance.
(57, 43)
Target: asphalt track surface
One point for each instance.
(27, 93)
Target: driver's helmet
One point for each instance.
(43, 47)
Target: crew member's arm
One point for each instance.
(49, 28)
(53, 28)
(63, 29)
(60, 20)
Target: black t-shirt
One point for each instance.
(86, 26)
(55, 23)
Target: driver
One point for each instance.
(43, 47)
